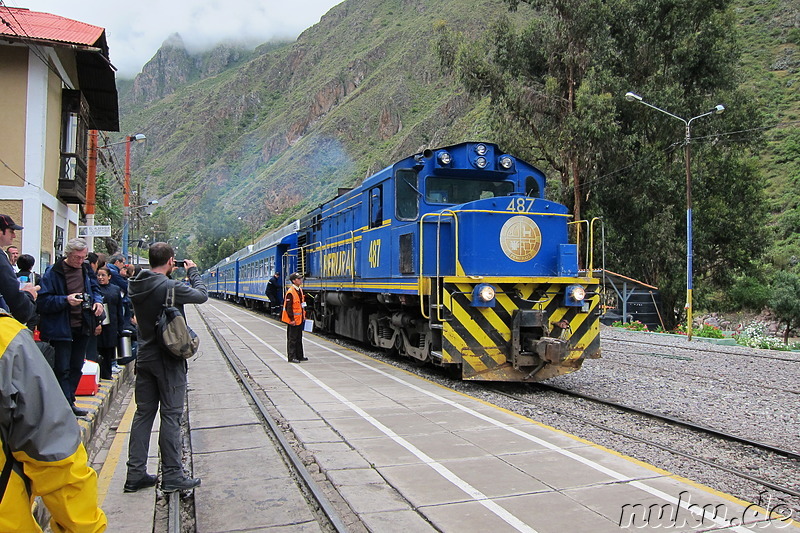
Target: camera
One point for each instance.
(180, 264)
(86, 300)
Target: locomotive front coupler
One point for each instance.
(531, 343)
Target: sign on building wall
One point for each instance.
(94, 231)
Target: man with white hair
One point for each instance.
(68, 302)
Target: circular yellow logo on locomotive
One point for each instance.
(520, 238)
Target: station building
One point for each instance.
(57, 83)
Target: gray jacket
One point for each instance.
(148, 292)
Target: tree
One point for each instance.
(785, 301)
(556, 75)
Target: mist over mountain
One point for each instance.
(265, 134)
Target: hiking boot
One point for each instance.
(186, 483)
(143, 483)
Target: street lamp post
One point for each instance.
(718, 109)
(139, 137)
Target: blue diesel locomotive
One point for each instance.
(451, 256)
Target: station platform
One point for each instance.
(405, 454)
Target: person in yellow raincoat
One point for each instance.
(42, 453)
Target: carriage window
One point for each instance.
(532, 187)
(406, 194)
(375, 207)
(460, 190)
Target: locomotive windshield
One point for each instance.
(460, 191)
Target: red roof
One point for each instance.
(26, 24)
(95, 72)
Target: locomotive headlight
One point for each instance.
(506, 162)
(445, 158)
(481, 149)
(574, 295)
(483, 295)
(486, 293)
(480, 162)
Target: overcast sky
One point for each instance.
(135, 29)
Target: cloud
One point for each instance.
(136, 29)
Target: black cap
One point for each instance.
(295, 275)
(6, 222)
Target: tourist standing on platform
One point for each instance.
(43, 455)
(68, 305)
(160, 377)
(19, 301)
(294, 314)
(13, 256)
(108, 339)
(25, 264)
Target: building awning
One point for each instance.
(96, 77)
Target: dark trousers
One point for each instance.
(160, 386)
(294, 342)
(107, 356)
(69, 362)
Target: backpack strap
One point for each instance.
(170, 297)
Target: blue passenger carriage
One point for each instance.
(453, 256)
(260, 261)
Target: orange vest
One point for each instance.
(298, 313)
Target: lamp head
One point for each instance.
(629, 96)
(137, 138)
(719, 109)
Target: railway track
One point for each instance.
(789, 454)
(695, 348)
(312, 488)
(704, 376)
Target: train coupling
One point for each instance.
(530, 345)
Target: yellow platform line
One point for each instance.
(114, 453)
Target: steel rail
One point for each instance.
(325, 505)
(174, 523)
(678, 422)
(694, 348)
(738, 473)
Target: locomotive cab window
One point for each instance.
(532, 187)
(375, 207)
(406, 194)
(459, 190)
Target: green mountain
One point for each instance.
(239, 142)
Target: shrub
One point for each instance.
(754, 335)
(633, 326)
(708, 331)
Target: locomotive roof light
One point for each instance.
(481, 149)
(574, 295)
(444, 158)
(481, 162)
(483, 295)
(506, 162)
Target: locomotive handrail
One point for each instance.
(496, 212)
(578, 236)
(591, 245)
(420, 280)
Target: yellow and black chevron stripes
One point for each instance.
(479, 338)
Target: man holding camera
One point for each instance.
(160, 378)
(68, 302)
